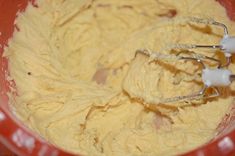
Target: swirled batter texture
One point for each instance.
(76, 75)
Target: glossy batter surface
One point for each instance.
(77, 77)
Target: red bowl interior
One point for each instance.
(17, 139)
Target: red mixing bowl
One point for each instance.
(16, 139)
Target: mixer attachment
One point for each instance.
(212, 78)
(227, 43)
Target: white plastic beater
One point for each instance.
(227, 43)
(211, 78)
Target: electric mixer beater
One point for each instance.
(212, 78)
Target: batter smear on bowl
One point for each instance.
(75, 69)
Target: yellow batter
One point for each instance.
(77, 78)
